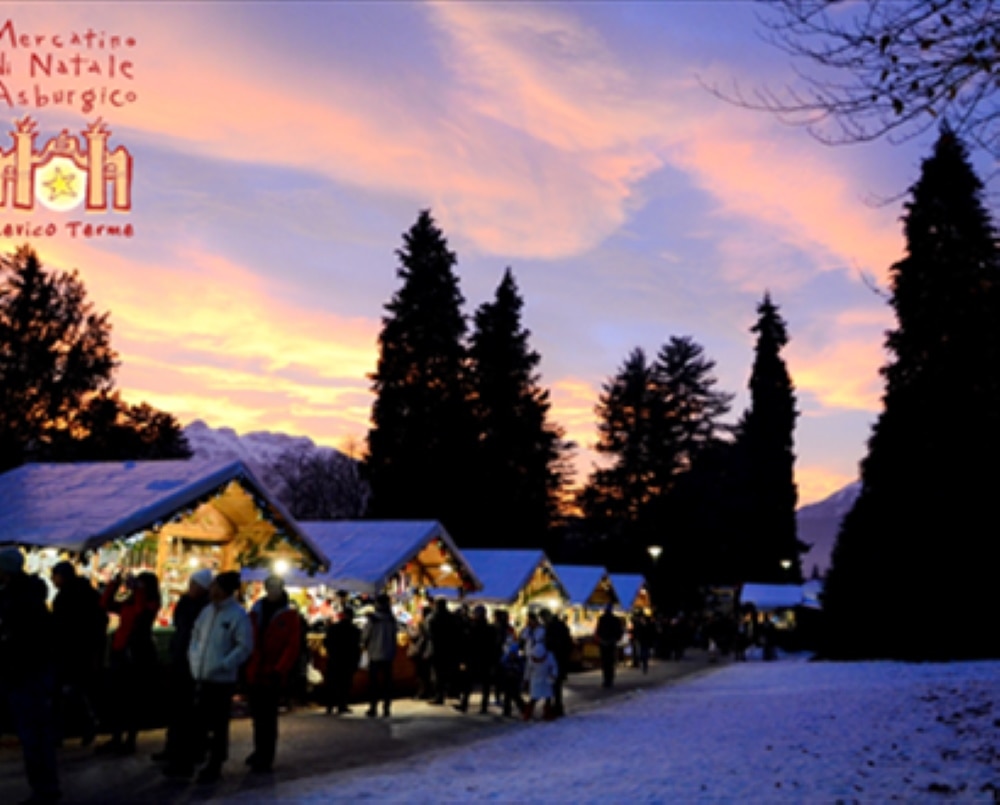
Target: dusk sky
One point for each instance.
(280, 151)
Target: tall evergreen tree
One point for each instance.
(766, 454)
(913, 567)
(422, 438)
(521, 454)
(688, 407)
(683, 517)
(57, 398)
(616, 495)
(655, 420)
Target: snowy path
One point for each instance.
(787, 731)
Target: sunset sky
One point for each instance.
(281, 150)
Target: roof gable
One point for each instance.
(80, 506)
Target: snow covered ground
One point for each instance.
(785, 731)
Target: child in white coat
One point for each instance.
(540, 673)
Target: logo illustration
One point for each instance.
(62, 175)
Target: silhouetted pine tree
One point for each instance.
(616, 495)
(685, 515)
(520, 463)
(688, 409)
(57, 398)
(654, 421)
(766, 454)
(422, 439)
(913, 573)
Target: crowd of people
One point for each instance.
(62, 673)
(463, 653)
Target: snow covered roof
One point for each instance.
(627, 587)
(80, 506)
(364, 554)
(504, 573)
(772, 596)
(586, 585)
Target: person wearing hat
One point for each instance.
(181, 748)
(26, 672)
(81, 626)
(276, 648)
(221, 641)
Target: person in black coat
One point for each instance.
(445, 631)
(342, 642)
(482, 653)
(609, 631)
(182, 751)
(559, 642)
(80, 627)
(27, 672)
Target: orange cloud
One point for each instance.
(843, 371)
(815, 483)
(208, 339)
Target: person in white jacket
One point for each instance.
(222, 640)
(540, 672)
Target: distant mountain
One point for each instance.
(312, 481)
(818, 524)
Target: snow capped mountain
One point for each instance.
(818, 524)
(259, 450)
(313, 481)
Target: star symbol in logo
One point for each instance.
(61, 184)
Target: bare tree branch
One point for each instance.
(884, 68)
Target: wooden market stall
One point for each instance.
(517, 580)
(404, 558)
(632, 593)
(590, 591)
(171, 517)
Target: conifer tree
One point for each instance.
(913, 568)
(688, 407)
(766, 453)
(57, 398)
(655, 420)
(520, 461)
(616, 495)
(422, 439)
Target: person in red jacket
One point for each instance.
(277, 640)
(133, 656)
